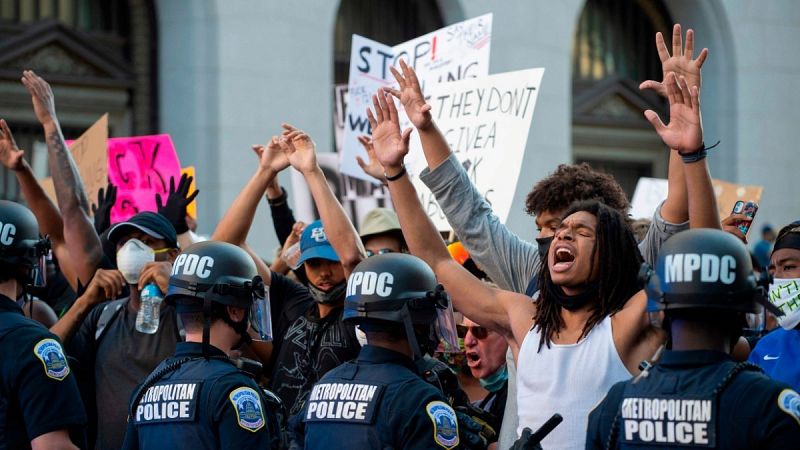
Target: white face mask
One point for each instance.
(361, 336)
(132, 257)
(785, 294)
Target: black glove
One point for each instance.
(469, 433)
(523, 443)
(102, 209)
(174, 209)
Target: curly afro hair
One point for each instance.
(575, 182)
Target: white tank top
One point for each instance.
(567, 379)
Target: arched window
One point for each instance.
(612, 52)
(99, 56)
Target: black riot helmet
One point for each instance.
(397, 288)
(704, 269)
(210, 275)
(22, 251)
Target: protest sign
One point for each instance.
(486, 122)
(340, 105)
(141, 167)
(90, 154)
(459, 51)
(649, 193)
(191, 209)
(728, 193)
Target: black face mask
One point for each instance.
(543, 246)
(573, 302)
(336, 294)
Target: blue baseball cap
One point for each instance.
(314, 244)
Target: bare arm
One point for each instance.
(301, 152)
(488, 307)
(105, 285)
(81, 239)
(54, 440)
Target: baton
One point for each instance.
(545, 429)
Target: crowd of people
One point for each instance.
(390, 337)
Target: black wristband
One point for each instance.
(279, 200)
(697, 155)
(397, 176)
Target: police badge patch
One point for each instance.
(789, 402)
(51, 355)
(247, 404)
(445, 425)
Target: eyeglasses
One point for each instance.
(382, 251)
(478, 332)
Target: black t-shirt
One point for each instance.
(309, 346)
(118, 362)
(38, 392)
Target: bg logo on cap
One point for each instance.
(318, 234)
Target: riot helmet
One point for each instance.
(210, 275)
(704, 269)
(402, 289)
(22, 251)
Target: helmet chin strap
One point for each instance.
(410, 335)
(206, 328)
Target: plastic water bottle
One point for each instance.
(149, 310)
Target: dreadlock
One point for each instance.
(618, 266)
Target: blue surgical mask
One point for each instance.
(494, 382)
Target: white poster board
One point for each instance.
(486, 122)
(649, 193)
(459, 51)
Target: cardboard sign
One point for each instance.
(90, 154)
(457, 52)
(191, 209)
(728, 193)
(141, 167)
(486, 123)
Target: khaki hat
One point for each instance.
(379, 220)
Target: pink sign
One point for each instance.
(141, 167)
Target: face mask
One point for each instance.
(543, 246)
(334, 295)
(132, 257)
(573, 302)
(361, 336)
(494, 382)
(784, 293)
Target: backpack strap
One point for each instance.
(110, 312)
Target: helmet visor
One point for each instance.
(261, 316)
(445, 326)
(38, 275)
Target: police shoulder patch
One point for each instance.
(445, 424)
(52, 356)
(249, 412)
(789, 402)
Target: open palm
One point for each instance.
(685, 130)
(390, 145)
(10, 155)
(271, 156)
(681, 62)
(299, 149)
(411, 97)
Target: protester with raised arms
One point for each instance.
(589, 327)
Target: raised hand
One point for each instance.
(374, 167)
(391, 147)
(42, 97)
(299, 149)
(731, 224)
(685, 130)
(178, 199)
(270, 156)
(680, 62)
(106, 198)
(411, 97)
(10, 154)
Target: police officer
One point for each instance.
(379, 400)
(40, 406)
(696, 395)
(198, 398)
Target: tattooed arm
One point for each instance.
(82, 241)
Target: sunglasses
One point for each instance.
(382, 251)
(478, 332)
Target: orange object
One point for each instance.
(458, 252)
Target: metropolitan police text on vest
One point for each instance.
(166, 401)
(340, 401)
(678, 421)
